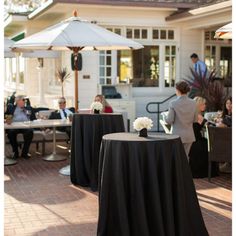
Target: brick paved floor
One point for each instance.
(39, 201)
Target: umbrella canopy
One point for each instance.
(225, 32)
(76, 35)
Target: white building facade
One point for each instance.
(169, 36)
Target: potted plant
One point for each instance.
(209, 87)
(96, 107)
(142, 124)
(62, 75)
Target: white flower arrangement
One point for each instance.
(142, 123)
(96, 106)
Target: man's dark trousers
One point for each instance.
(28, 136)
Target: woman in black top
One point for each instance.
(198, 156)
(227, 112)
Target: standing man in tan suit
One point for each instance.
(182, 114)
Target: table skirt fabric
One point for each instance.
(87, 131)
(146, 189)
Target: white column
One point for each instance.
(17, 72)
(114, 67)
(41, 87)
(162, 68)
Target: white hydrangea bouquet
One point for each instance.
(142, 124)
(96, 107)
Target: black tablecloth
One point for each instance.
(86, 135)
(146, 188)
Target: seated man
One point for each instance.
(20, 113)
(62, 113)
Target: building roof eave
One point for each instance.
(200, 11)
(147, 4)
(131, 3)
(13, 18)
(41, 9)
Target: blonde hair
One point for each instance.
(199, 100)
(104, 101)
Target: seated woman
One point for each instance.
(226, 121)
(106, 106)
(227, 114)
(198, 155)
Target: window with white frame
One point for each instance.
(225, 62)
(115, 30)
(163, 34)
(170, 66)
(210, 56)
(153, 66)
(139, 66)
(210, 36)
(105, 67)
(218, 54)
(136, 33)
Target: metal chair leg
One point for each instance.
(43, 148)
(209, 171)
(37, 146)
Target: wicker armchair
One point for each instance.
(219, 146)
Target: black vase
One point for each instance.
(96, 111)
(143, 133)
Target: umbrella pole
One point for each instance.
(75, 55)
(76, 91)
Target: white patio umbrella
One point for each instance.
(225, 32)
(76, 35)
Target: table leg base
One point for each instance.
(65, 170)
(54, 157)
(9, 161)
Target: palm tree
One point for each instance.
(62, 75)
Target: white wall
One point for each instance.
(191, 41)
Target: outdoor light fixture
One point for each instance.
(40, 61)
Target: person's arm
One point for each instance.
(227, 121)
(32, 116)
(203, 68)
(72, 109)
(169, 118)
(52, 116)
(9, 110)
(201, 120)
(108, 109)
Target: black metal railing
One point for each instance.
(157, 111)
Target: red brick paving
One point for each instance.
(41, 202)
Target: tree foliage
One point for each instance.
(21, 6)
(62, 75)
